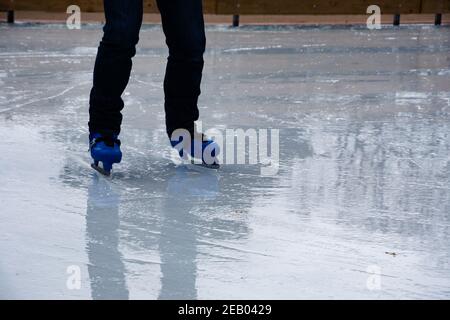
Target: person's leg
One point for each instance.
(113, 64)
(184, 29)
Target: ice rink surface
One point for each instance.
(360, 207)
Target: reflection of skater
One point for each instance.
(183, 27)
(178, 242)
(106, 269)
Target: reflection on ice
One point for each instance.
(106, 268)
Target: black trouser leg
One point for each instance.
(184, 29)
(113, 64)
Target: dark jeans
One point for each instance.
(184, 29)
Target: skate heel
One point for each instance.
(107, 167)
(106, 170)
(208, 158)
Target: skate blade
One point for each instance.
(198, 163)
(101, 170)
(208, 166)
(214, 166)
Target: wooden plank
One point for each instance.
(209, 6)
(61, 5)
(315, 6)
(91, 5)
(6, 5)
(435, 6)
(322, 7)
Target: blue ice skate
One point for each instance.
(104, 149)
(208, 154)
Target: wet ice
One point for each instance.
(364, 169)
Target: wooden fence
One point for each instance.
(252, 7)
